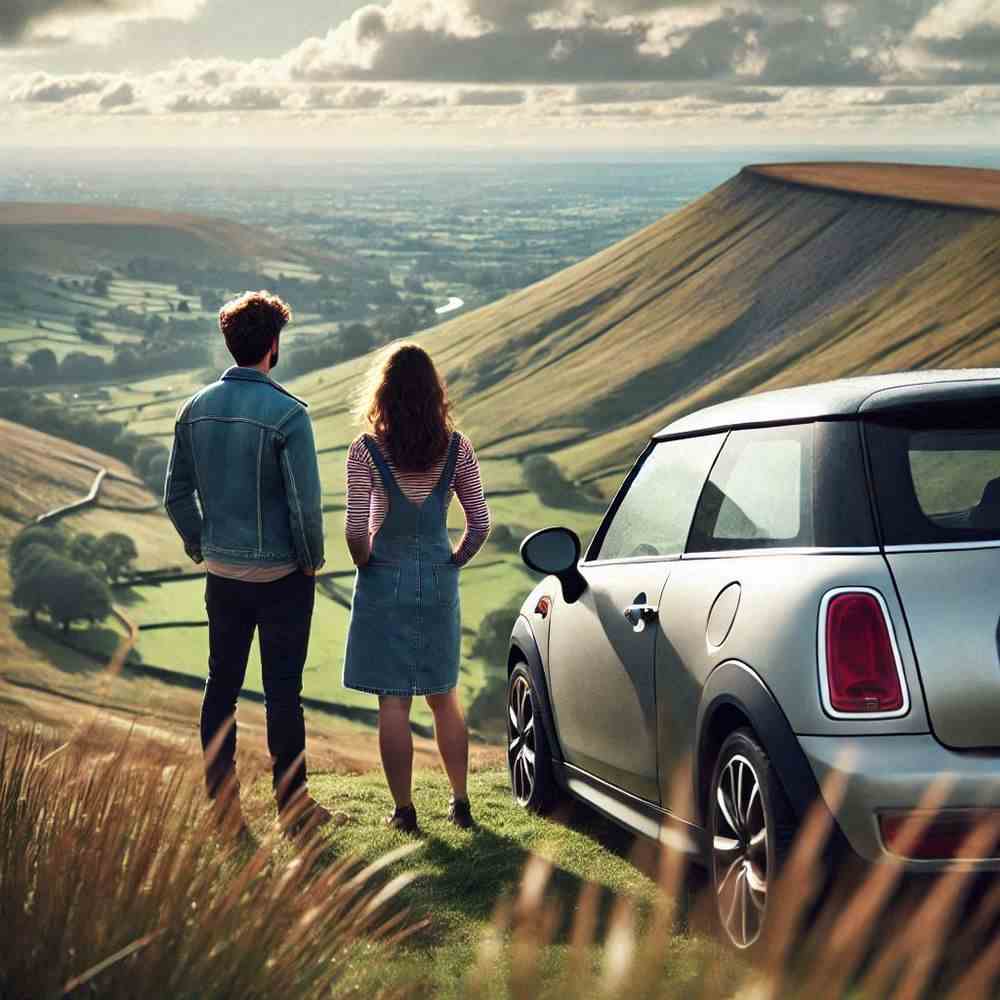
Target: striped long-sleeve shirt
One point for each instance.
(368, 503)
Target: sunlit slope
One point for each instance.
(764, 281)
(40, 472)
(53, 235)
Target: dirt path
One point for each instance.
(127, 644)
(92, 497)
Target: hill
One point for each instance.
(953, 187)
(781, 276)
(52, 235)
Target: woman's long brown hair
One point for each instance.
(407, 409)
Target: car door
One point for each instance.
(758, 499)
(602, 647)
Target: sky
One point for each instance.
(613, 74)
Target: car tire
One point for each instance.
(751, 826)
(529, 762)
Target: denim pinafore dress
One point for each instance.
(406, 622)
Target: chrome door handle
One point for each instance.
(640, 615)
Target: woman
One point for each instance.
(405, 633)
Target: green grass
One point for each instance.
(186, 649)
(464, 875)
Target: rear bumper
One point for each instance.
(887, 773)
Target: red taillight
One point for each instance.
(861, 670)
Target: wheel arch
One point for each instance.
(736, 696)
(524, 649)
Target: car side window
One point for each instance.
(654, 516)
(760, 492)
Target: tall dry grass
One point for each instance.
(853, 932)
(113, 884)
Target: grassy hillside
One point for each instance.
(764, 281)
(59, 235)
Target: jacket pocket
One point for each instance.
(446, 584)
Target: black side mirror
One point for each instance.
(556, 552)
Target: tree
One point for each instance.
(25, 548)
(118, 553)
(146, 453)
(102, 284)
(80, 367)
(546, 479)
(156, 472)
(73, 593)
(84, 324)
(126, 445)
(44, 364)
(356, 339)
(30, 594)
(183, 307)
(85, 550)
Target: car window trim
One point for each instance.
(984, 543)
(802, 550)
(598, 540)
(626, 561)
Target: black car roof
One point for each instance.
(843, 398)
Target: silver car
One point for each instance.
(786, 586)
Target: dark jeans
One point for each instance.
(282, 614)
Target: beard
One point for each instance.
(274, 358)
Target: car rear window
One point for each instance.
(936, 473)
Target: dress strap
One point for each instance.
(444, 483)
(388, 479)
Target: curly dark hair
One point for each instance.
(250, 323)
(407, 409)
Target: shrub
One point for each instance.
(547, 481)
(44, 364)
(493, 640)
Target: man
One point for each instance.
(243, 492)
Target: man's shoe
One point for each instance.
(460, 813)
(404, 820)
(304, 815)
(227, 817)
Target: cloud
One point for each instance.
(83, 20)
(740, 95)
(467, 42)
(239, 98)
(120, 96)
(900, 97)
(45, 89)
(489, 98)
(351, 98)
(957, 41)
(737, 42)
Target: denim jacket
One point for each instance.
(244, 448)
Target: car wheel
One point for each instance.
(752, 826)
(531, 779)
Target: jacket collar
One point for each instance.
(239, 374)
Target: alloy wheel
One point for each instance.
(739, 851)
(521, 740)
